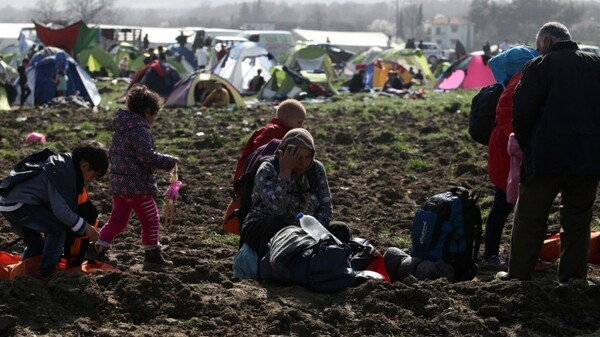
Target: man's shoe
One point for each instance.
(503, 276)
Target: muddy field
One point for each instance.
(384, 157)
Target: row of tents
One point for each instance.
(306, 65)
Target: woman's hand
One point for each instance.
(287, 162)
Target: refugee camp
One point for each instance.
(299, 168)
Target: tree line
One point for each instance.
(494, 20)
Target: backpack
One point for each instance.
(294, 257)
(447, 226)
(483, 113)
(236, 212)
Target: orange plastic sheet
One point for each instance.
(12, 266)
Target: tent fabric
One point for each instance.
(376, 73)
(94, 58)
(409, 58)
(160, 77)
(41, 74)
(361, 59)
(312, 59)
(4, 105)
(64, 38)
(183, 93)
(468, 72)
(183, 52)
(125, 49)
(72, 39)
(242, 64)
(286, 82)
(88, 37)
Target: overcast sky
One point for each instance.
(170, 3)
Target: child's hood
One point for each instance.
(126, 120)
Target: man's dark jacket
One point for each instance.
(556, 113)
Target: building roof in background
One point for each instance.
(351, 40)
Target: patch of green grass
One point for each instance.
(403, 147)
(216, 239)
(419, 165)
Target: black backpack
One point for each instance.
(482, 119)
(448, 227)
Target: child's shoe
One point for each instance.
(155, 261)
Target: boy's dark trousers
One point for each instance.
(29, 222)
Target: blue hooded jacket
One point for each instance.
(506, 64)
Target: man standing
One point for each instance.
(556, 119)
(23, 80)
(201, 57)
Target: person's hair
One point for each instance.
(259, 71)
(94, 153)
(555, 30)
(25, 60)
(140, 99)
(61, 72)
(290, 107)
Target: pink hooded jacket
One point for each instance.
(514, 174)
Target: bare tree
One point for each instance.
(46, 11)
(91, 11)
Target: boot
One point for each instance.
(154, 260)
(100, 253)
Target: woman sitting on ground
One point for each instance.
(291, 182)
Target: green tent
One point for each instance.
(285, 82)
(88, 37)
(310, 59)
(94, 58)
(409, 58)
(7, 74)
(138, 64)
(125, 49)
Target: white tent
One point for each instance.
(242, 64)
(354, 41)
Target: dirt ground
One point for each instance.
(199, 297)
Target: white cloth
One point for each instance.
(201, 57)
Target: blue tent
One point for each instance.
(182, 51)
(41, 75)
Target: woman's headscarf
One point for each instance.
(507, 63)
(298, 137)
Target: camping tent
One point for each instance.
(376, 73)
(311, 59)
(361, 59)
(157, 76)
(124, 49)
(286, 82)
(7, 75)
(180, 51)
(183, 93)
(95, 58)
(409, 58)
(41, 74)
(470, 71)
(242, 63)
